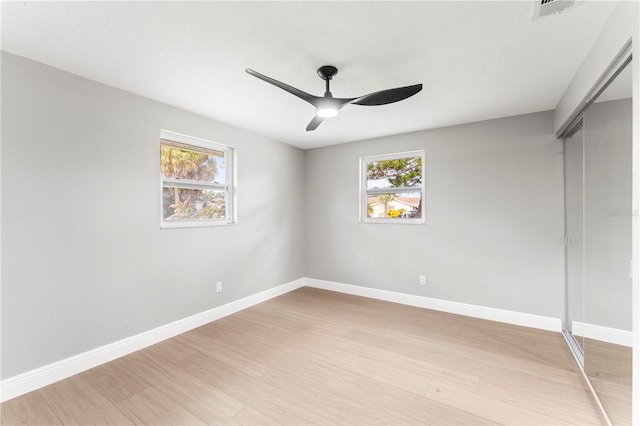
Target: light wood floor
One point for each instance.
(610, 371)
(318, 357)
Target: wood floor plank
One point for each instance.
(251, 359)
(317, 357)
(115, 381)
(610, 369)
(416, 362)
(472, 357)
(339, 401)
(207, 402)
(375, 366)
(29, 409)
(76, 401)
(496, 410)
(144, 367)
(250, 417)
(412, 409)
(152, 407)
(271, 401)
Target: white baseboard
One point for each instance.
(483, 312)
(604, 334)
(39, 377)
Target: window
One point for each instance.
(196, 181)
(392, 188)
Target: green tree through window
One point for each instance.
(195, 187)
(179, 163)
(393, 187)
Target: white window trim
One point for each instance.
(228, 187)
(364, 191)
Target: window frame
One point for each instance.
(365, 192)
(200, 145)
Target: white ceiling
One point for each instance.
(477, 60)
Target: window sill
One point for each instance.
(192, 224)
(393, 221)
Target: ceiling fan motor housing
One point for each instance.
(326, 72)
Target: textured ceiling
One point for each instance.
(477, 60)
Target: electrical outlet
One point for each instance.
(422, 280)
(218, 286)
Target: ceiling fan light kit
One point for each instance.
(327, 111)
(327, 106)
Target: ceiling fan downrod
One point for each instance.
(326, 72)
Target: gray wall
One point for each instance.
(84, 260)
(493, 232)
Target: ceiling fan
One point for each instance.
(328, 106)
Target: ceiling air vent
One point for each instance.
(544, 8)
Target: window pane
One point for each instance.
(192, 204)
(394, 205)
(398, 172)
(179, 162)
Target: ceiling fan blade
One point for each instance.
(313, 124)
(340, 102)
(296, 92)
(388, 96)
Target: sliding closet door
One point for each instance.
(607, 253)
(574, 212)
